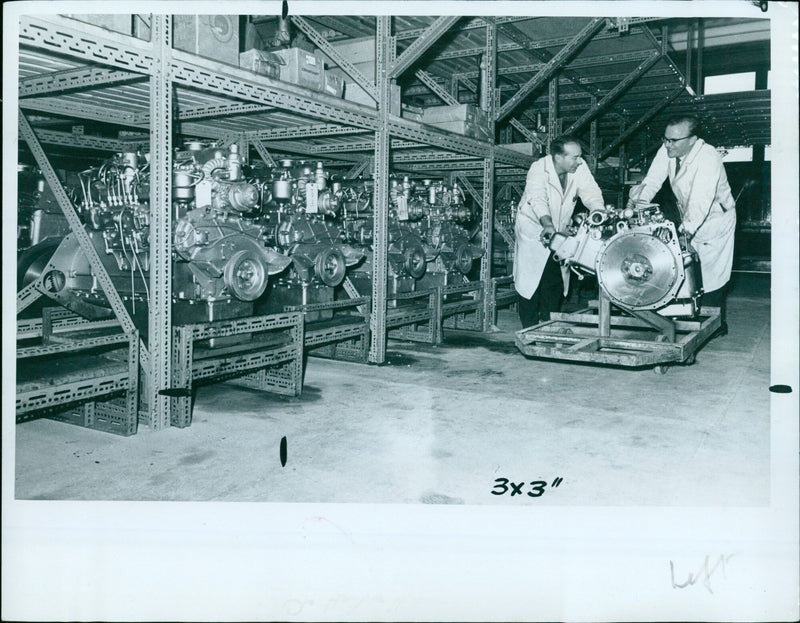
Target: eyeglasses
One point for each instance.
(670, 141)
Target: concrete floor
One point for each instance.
(439, 425)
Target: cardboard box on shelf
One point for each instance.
(303, 68)
(215, 37)
(334, 85)
(454, 112)
(261, 62)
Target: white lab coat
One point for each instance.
(706, 205)
(544, 196)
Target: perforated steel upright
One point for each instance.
(160, 320)
(383, 45)
(488, 103)
(552, 111)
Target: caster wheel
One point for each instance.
(661, 369)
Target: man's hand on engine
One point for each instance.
(547, 234)
(633, 195)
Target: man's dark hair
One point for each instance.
(692, 120)
(557, 145)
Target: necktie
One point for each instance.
(677, 165)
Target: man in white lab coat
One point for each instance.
(552, 188)
(706, 205)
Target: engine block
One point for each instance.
(221, 259)
(640, 260)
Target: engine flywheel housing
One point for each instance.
(638, 270)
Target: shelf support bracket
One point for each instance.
(614, 93)
(430, 82)
(334, 54)
(76, 226)
(551, 66)
(622, 138)
(420, 45)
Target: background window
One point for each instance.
(730, 83)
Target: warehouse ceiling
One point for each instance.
(596, 68)
(617, 81)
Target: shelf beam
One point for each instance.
(73, 79)
(86, 42)
(236, 83)
(302, 131)
(52, 137)
(79, 110)
(205, 112)
(312, 151)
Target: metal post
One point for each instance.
(700, 43)
(552, 111)
(594, 147)
(160, 320)
(487, 225)
(380, 240)
(623, 165)
(604, 314)
(490, 103)
(689, 44)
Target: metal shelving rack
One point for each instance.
(579, 83)
(144, 80)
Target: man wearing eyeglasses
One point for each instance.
(706, 205)
(552, 188)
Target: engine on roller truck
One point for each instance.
(640, 260)
(220, 258)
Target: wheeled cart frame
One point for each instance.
(631, 339)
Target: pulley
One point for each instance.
(330, 266)
(463, 259)
(246, 275)
(414, 263)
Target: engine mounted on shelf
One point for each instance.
(300, 211)
(640, 260)
(221, 259)
(505, 214)
(437, 213)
